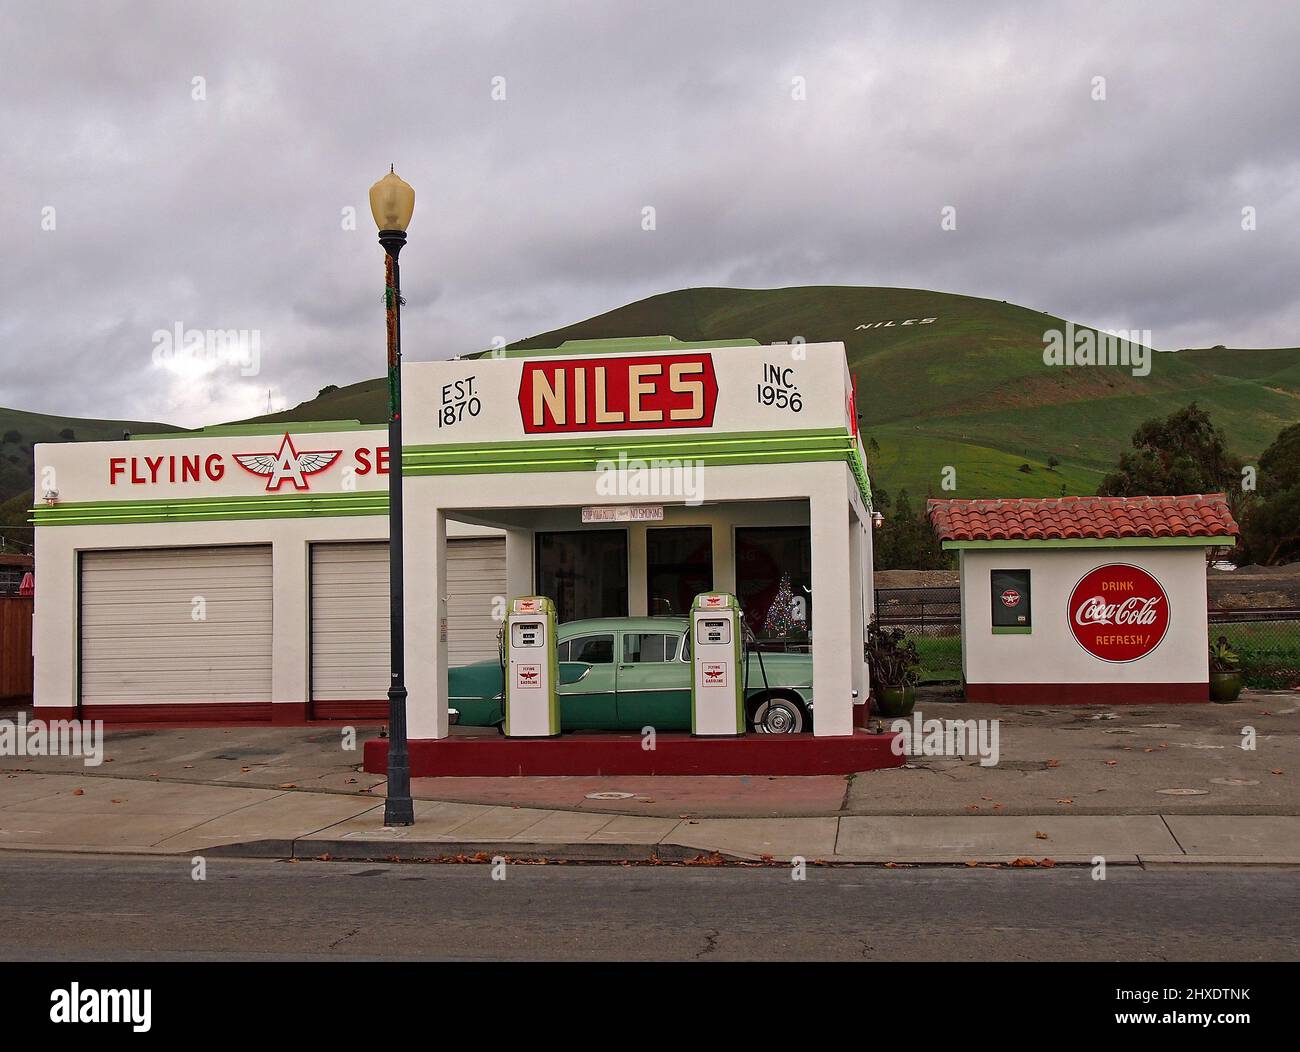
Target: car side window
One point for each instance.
(643, 647)
(670, 647)
(686, 645)
(562, 650)
(594, 650)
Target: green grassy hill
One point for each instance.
(968, 390)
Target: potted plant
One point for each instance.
(894, 664)
(1226, 677)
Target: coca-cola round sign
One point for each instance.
(1119, 612)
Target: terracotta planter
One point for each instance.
(1226, 686)
(895, 701)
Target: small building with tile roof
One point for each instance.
(1084, 599)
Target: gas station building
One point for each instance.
(240, 573)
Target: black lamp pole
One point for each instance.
(398, 807)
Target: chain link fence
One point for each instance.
(1266, 639)
(931, 617)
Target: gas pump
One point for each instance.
(532, 702)
(717, 674)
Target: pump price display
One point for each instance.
(715, 631)
(526, 634)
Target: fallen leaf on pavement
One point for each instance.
(1066, 800)
(288, 785)
(1041, 835)
(1111, 763)
(78, 792)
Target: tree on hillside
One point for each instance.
(1271, 524)
(905, 540)
(1183, 453)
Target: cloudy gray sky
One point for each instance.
(228, 210)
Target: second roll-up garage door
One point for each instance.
(349, 614)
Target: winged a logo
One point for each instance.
(288, 465)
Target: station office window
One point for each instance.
(1011, 601)
(774, 581)
(584, 572)
(679, 566)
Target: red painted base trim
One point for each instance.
(1087, 693)
(217, 713)
(350, 710)
(605, 754)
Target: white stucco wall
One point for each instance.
(1050, 653)
(85, 471)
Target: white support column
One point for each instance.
(520, 578)
(724, 555)
(832, 642)
(54, 628)
(425, 574)
(857, 628)
(638, 601)
(290, 621)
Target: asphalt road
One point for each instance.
(104, 907)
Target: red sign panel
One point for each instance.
(617, 394)
(1119, 612)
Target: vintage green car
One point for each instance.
(627, 673)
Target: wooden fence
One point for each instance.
(15, 646)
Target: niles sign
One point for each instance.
(617, 394)
(1119, 612)
(279, 461)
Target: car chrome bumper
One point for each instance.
(453, 716)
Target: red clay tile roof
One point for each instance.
(1064, 518)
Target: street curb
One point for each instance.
(365, 850)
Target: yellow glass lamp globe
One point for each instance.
(392, 200)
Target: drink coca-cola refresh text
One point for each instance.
(1119, 612)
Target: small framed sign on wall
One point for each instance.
(1011, 600)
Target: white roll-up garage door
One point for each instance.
(349, 613)
(349, 622)
(176, 625)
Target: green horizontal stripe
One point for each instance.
(199, 509)
(1094, 542)
(584, 454)
(568, 454)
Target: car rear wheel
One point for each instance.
(777, 714)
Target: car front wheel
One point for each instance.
(777, 715)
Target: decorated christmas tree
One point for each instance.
(784, 615)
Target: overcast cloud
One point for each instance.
(228, 211)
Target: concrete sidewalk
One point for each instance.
(69, 812)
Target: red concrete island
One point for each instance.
(493, 755)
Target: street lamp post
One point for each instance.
(392, 201)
